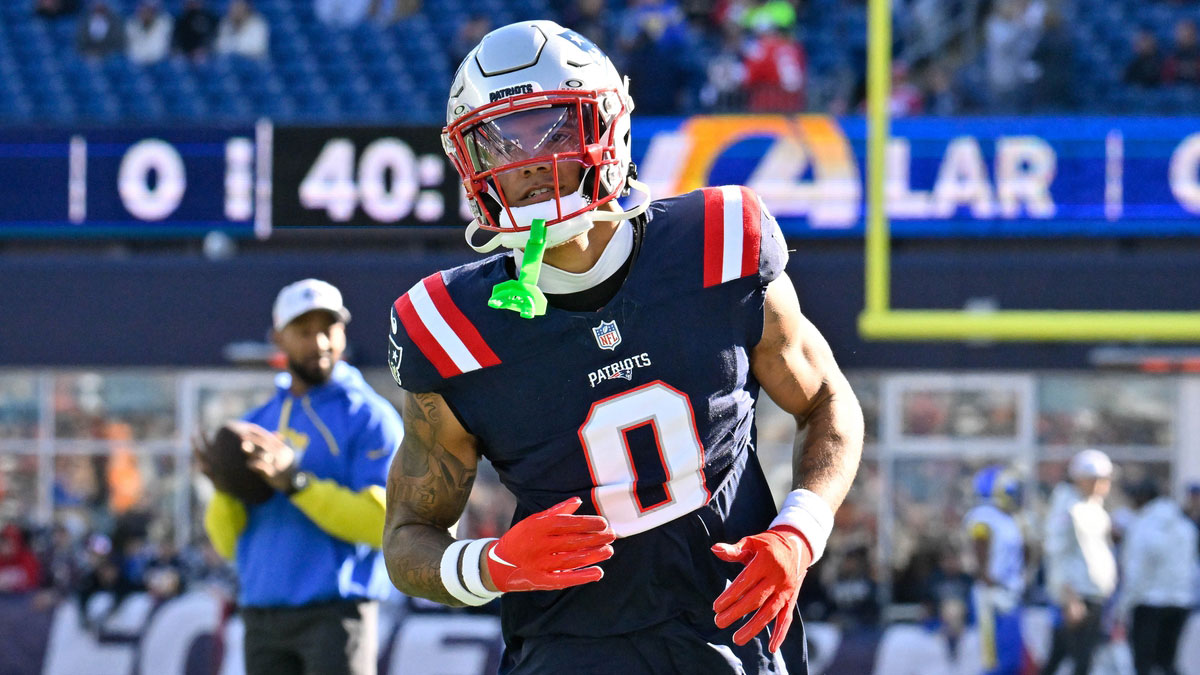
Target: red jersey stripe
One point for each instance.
(458, 322)
(714, 239)
(752, 231)
(424, 339)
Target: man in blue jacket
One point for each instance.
(308, 558)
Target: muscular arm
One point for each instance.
(427, 489)
(795, 366)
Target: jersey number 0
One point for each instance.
(605, 438)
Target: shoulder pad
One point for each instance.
(741, 238)
(427, 318)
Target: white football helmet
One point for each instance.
(538, 127)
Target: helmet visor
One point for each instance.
(525, 135)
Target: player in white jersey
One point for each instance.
(999, 549)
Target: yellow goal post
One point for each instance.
(878, 321)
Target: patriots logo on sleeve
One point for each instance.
(394, 355)
(395, 351)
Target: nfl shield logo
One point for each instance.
(607, 335)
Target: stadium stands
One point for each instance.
(398, 72)
(367, 73)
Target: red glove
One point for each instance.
(550, 550)
(776, 562)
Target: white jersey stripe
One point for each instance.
(441, 331)
(734, 234)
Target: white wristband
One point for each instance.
(450, 575)
(470, 569)
(811, 515)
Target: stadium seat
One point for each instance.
(387, 71)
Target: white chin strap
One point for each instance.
(561, 282)
(557, 233)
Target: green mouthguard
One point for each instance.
(522, 294)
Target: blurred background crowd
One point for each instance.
(102, 452)
(899, 551)
(387, 60)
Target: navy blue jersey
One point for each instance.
(644, 408)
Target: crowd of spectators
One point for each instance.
(101, 546)
(55, 8)
(1000, 57)
(730, 55)
(71, 561)
(68, 563)
(110, 535)
(151, 34)
(899, 552)
(688, 56)
(751, 56)
(1149, 67)
(715, 57)
(931, 585)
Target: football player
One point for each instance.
(999, 549)
(622, 417)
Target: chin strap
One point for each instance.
(519, 239)
(487, 246)
(522, 294)
(636, 210)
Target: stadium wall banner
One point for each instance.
(131, 182)
(946, 177)
(194, 634)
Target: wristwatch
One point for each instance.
(300, 480)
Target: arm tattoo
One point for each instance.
(427, 490)
(432, 479)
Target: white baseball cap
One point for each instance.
(1090, 463)
(305, 296)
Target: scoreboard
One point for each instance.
(127, 182)
(364, 177)
(243, 181)
(945, 177)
